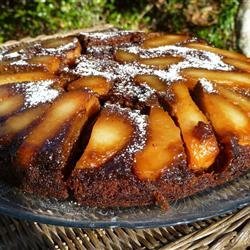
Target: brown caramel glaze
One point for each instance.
(65, 77)
(202, 131)
(134, 96)
(242, 91)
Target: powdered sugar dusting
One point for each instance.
(38, 92)
(207, 85)
(105, 35)
(192, 57)
(140, 121)
(88, 67)
(123, 75)
(142, 93)
(20, 63)
(113, 70)
(102, 49)
(2, 52)
(12, 55)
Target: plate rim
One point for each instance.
(22, 214)
(55, 221)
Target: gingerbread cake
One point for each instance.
(123, 118)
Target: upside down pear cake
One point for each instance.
(123, 118)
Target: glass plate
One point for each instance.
(212, 202)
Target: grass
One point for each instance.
(209, 19)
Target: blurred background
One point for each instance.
(209, 19)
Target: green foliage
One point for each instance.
(31, 18)
(169, 16)
(20, 18)
(128, 14)
(223, 33)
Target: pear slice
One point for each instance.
(162, 62)
(152, 81)
(44, 157)
(221, 77)
(125, 56)
(201, 145)
(163, 40)
(109, 136)
(41, 62)
(97, 84)
(225, 53)
(71, 109)
(11, 104)
(164, 147)
(35, 75)
(4, 93)
(228, 119)
(51, 63)
(17, 123)
(240, 64)
(235, 98)
(69, 47)
(54, 43)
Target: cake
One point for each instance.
(120, 119)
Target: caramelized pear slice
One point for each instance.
(163, 40)
(97, 84)
(41, 62)
(152, 81)
(226, 53)
(20, 121)
(242, 65)
(220, 77)
(51, 63)
(4, 93)
(9, 66)
(200, 141)
(11, 104)
(227, 119)
(235, 98)
(110, 134)
(70, 111)
(163, 149)
(160, 62)
(125, 56)
(34, 75)
(70, 47)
